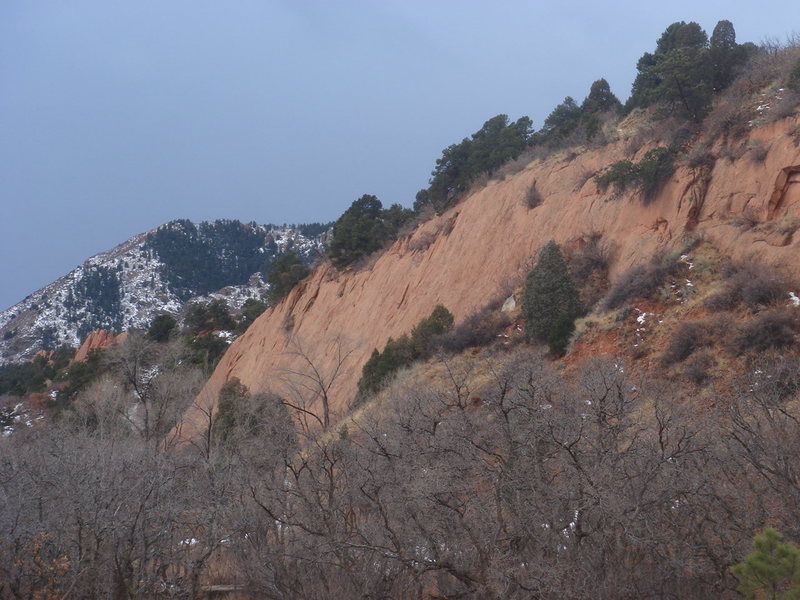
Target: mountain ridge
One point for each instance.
(127, 286)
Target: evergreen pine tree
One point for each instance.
(286, 272)
(771, 571)
(560, 332)
(162, 328)
(724, 54)
(564, 119)
(600, 98)
(358, 232)
(439, 321)
(678, 75)
(551, 302)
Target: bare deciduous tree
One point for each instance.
(311, 383)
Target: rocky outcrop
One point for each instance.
(319, 337)
(97, 340)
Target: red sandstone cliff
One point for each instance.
(466, 256)
(95, 341)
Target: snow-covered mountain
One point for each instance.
(159, 271)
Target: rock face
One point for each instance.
(467, 256)
(97, 340)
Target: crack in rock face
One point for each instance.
(786, 193)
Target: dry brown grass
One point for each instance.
(516, 165)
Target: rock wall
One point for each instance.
(325, 330)
(97, 340)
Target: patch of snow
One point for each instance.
(793, 299)
(149, 374)
(20, 415)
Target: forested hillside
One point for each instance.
(153, 273)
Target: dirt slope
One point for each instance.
(467, 256)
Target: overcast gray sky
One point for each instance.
(118, 116)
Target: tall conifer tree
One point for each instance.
(551, 301)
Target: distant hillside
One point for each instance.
(154, 272)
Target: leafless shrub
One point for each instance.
(448, 225)
(533, 197)
(771, 329)
(699, 155)
(784, 105)
(367, 262)
(604, 131)
(677, 134)
(794, 133)
(685, 340)
(410, 498)
(588, 264)
(422, 241)
(539, 152)
(752, 285)
(581, 178)
(426, 213)
(591, 256)
(766, 67)
(642, 135)
(747, 219)
(774, 375)
(516, 165)
(477, 330)
(698, 365)
(496, 303)
(729, 117)
(727, 299)
(733, 152)
(641, 281)
(734, 111)
(758, 151)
